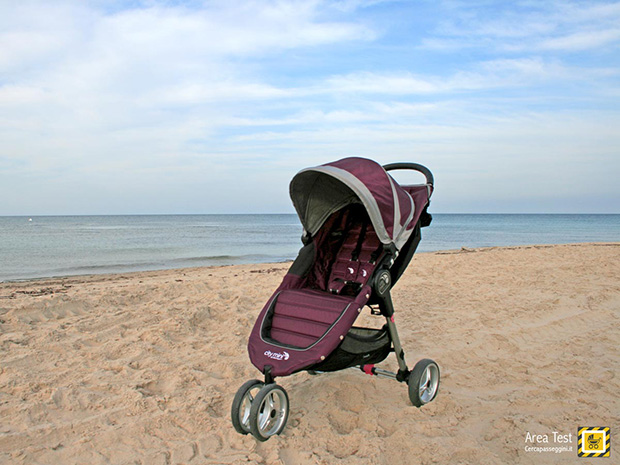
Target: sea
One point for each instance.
(54, 246)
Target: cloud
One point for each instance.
(74, 71)
(227, 28)
(161, 46)
(528, 27)
(583, 40)
(484, 75)
(367, 82)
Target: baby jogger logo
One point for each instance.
(277, 355)
(593, 441)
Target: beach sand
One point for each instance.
(141, 368)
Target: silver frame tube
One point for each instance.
(398, 349)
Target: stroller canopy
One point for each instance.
(320, 191)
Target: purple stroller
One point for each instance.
(361, 229)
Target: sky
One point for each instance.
(146, 107)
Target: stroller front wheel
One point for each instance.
(269, 412)
(423, 382)
(240, 411)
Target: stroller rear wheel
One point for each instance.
(269, 412)
(423, 382)
(240, 411)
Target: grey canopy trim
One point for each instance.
(319, 196)
(316, 197)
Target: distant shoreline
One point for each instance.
(158, 271)
(87, 215)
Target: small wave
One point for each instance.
(163, 264)
(108, 267)
(220, 258)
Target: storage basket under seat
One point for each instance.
(361, 346)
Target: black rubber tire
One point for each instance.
(255, 411)
(235, 409)
(414, 379)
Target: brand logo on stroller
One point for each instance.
(277, 355)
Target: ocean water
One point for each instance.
(46, 246)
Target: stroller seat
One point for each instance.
(302, 317)
(356, 258)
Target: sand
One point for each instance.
(141, 368)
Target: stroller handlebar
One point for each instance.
(412, 166)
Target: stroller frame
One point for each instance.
(262, 407)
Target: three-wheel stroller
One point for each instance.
(361, 229)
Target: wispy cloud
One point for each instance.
(534, 27)
(582, 40)
(507, 73)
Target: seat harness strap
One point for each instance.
(360, 241)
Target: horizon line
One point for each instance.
(292, 213)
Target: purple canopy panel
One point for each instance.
(317, 192)
(421, 194)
